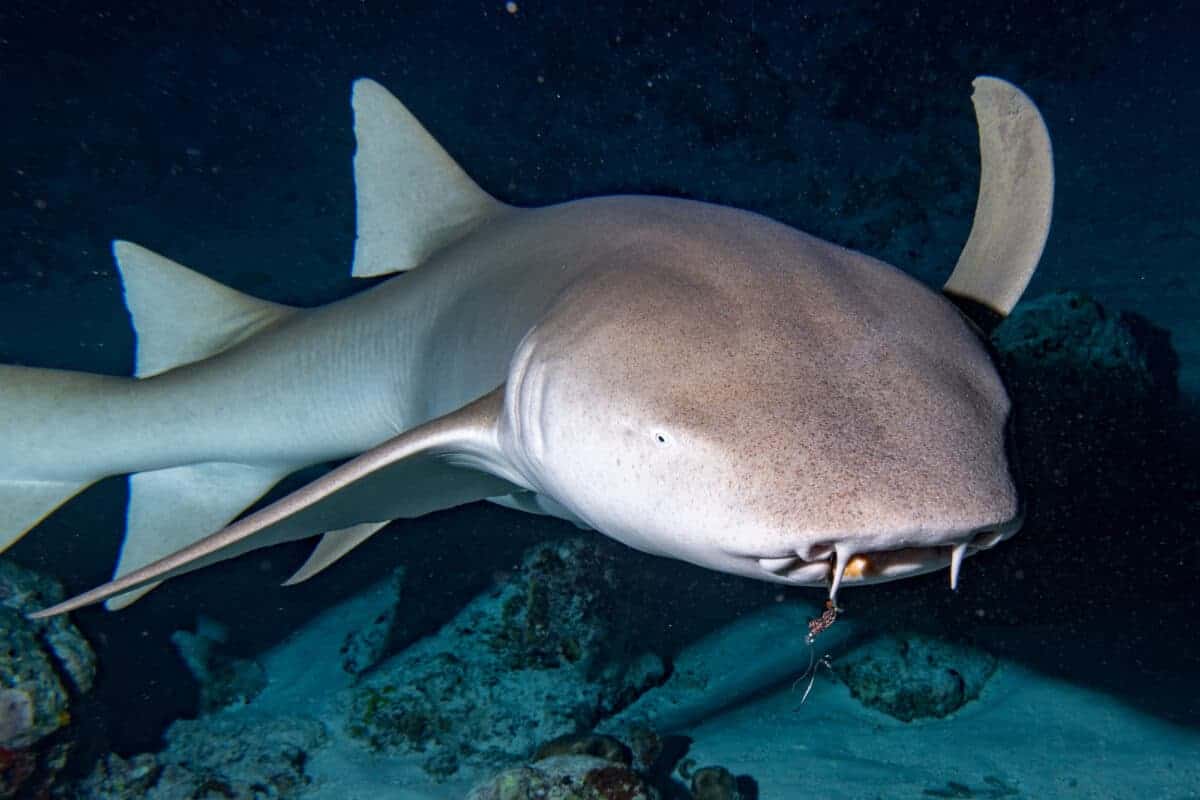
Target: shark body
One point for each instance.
(693, 380)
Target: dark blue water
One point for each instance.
(220, 135)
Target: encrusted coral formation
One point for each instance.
(570, 777)
(593, 767)
(45, 666)
(609, 748)
(714, 783)
(224, 679)
(1072, 337)
(239, 754)
(915, 676)
(33, 700)
(537, 658)
(365, 647)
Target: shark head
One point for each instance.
(757, 401)
(753, 400)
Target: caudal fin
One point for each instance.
(23, 504)
(171, 508)
(179, 317)
(60, 431)
(44, 415)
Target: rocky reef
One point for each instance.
(224, 679)
(915, 676)
(595, 767)
(241, 754)
(566, 777)
(1102, 463)
(539, 657)
(46, 666)
(1067, 339)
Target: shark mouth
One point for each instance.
(841, 564)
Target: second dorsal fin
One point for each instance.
(180, 316)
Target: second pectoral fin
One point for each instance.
(446, 462)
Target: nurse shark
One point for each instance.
(696, 381)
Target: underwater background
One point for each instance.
(451, 648)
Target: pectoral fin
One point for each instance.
(334, 545)
(171, 508)
(446, 462)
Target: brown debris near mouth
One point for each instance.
(822, 623)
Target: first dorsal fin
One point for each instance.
(1016, 196)
(181, 316)
(412, 198)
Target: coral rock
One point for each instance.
(714, 783)
(566, 777)
(535, 659)
(915, 676)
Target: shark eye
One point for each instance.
(661, 438)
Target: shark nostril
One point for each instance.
(777, 566)
(985, 539)
(822, 551)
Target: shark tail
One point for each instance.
(180, 317)
(65, 430)
(412, 200)
(31, 487)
